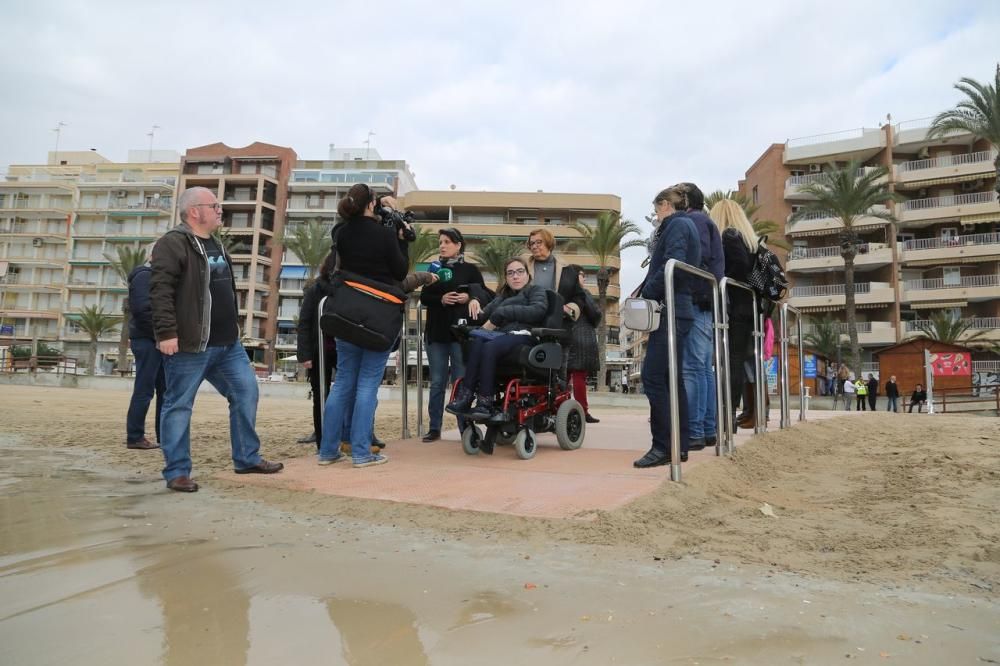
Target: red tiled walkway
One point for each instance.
(554, 484)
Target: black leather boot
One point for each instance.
(483, 409)
(462, 401)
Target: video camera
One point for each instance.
(396, 220)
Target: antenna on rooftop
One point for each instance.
(150, 134)
(368, 145)
(58, 131)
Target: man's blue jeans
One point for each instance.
(699, 376)
(355, 397)
(228, 370)
(442, 357)
(893, 405)
(657, 388)
(149, 379)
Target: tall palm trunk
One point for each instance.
(123, 339)
(996, 167)
(603, 279)
(848, 253)
(92, 360)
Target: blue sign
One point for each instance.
(771, 369)
(7, 329)
(809, 368)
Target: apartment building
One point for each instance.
(59, 224)
(315, 188)
(484, 215)
(251, 183)
(941, 253)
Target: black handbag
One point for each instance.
(362, 311)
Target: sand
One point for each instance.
(881, 498)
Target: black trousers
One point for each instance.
(860, 407)
(740, 349)
(317, 396)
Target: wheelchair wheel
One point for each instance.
(525, 444)
(472, 436)
(571, 425)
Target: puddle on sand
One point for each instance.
(130, 574)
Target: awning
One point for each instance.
(981, 218)
(944, 180)
(294, 272)
(938, 306)
(953, 260)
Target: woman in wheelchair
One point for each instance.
(518, 307)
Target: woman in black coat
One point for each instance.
(308, 341)
(739, 241)
(583, 356)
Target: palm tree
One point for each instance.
(494, 253)
(423, 248)
(95, 323)
(942, 326)
(127, 260)
(762, 228)
(605, 240)
(979, 115)
(226, 240)
(824, 338)
(310, 242)
(849, 194)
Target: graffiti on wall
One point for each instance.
(985, 383)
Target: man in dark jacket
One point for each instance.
(872, 390)
(918, 399)
(195, 319)
(148, 362)
(698, 368)
(892, 394)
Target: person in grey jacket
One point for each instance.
(196, 322)
(519, 305)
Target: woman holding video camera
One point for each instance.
(368, 248)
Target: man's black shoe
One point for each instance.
(655, 459)
(696, 443)
(712, 441)
(432, 436)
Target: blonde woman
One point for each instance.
(739, 242)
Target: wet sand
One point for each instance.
(885, 541)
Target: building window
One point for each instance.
(755, 195)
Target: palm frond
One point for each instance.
(848, 194)
(310, 242)
(494, 253)
(126, 259)
(942, 326)
(423, 248)
(607, 237)
(824, 338)
(978, 113)
(95, 322)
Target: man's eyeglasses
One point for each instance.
(216, 206)
(517, 272)
(535, 243)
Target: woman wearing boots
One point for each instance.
(519, 305)
(583, 356)
(738, 244)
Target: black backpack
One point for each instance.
(767, 277)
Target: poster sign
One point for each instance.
(6, 329)
(771, 369)
(809, 367)
(952, 364)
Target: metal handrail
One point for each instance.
(675, 431)
(727, 419)
(786, 420)
(949, 160)
(950, 200)
(954, 241)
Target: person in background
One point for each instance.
(446, 305)
(149, 376)
(544, 268)
(831, 379)
(675, 237)
(892, 393)
(699, 358)
(738, 244)
(919, 398)
(861, 390)
(848, 389)
(872, 391)
(583, 354)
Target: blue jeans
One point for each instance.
(442, 356)
(354, 397)
(228, 370)
(699, 376)
(656, 385)
(149, 379)
(893, 405)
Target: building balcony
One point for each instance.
(869, 332)
(794, 184)
(950, 166)
(21, 312)
(817, 259)
(951, 249)
(833, 295)
(286, 340)
(820, 224)
(47, 231)
(987, 328)
(922, 212)
(967, 288)
(862, 142)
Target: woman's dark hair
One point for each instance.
(328, 266)
(357, 199)
(505, 289)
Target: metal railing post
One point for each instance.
(404, 353)
(720, 370)
(672, 370)
(783, 360)
(322, 365)
(727, 411)
(420, 370)
(760, 387)
(803, 405)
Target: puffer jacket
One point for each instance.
(522, 310)
(584, 353)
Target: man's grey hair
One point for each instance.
(187, 199)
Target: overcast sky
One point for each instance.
(623, 98)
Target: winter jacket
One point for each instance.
(860, 387)
(712, 258)
(180, 289)
(676, 238)
(441, 317)
(523, 310)
(559, 267)
(584, 352)
(367, 248)
(739, 261)
(307, 340)
(872, 386)
(140, 322)
(891, 389)
(918, 397)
